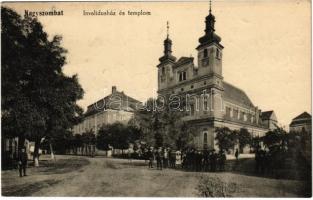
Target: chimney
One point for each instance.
(113, 89)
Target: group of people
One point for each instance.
(164, 157)
(205, 160)
(266, 160)
(190, 159)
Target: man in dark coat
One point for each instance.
(205, 163)
(22, 161)
(159, 158)
(237, 154)
(221, 160)
(213, 160)
(150, 157)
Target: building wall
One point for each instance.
(300, 127)
(209, 129)
(96, 121)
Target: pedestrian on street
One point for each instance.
(213, 160)
(222, 160)
(159, 158)
(172, 158)
(22, 162)
(237, 154)
(165, 158)
(150, 157)
(205, 163)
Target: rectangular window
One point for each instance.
(249, 117)
(192, 109)
(241, 115)
(218, 54)
(235, 114)
(227, 111)
(182, 76)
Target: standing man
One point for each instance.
(237, 154)
(22, 161)
(150, 157)
(165, 158)
(205, 165)
(222, 160)
(159, 158)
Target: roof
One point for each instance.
(266, 114)
(303, 118)
(303, 115)
(300, 122)
(236, 95)
(183, 60)
(115, 101)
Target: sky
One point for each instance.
(267, 46)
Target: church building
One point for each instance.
(213, 101)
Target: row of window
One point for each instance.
(102, 119)
(239, 115)
(218, 53)
(191, 87)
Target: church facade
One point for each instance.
(212, 102)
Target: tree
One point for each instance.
(226, 138)
(38, 99)
(163, 127)
(244, 138)
(274, 138)
(117, 135)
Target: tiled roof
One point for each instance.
(303, 115)
(116, 101)
(183, 60)
(303, 118)
(236, 95)
(301, 122)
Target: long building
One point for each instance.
(213, 102)
(116, 107)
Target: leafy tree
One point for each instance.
(244, 138)
(274, 137)
(163, 127)
(226, 138)
(117, 135)
(38, 99)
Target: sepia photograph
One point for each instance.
(197, 99)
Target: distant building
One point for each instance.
(116, 107)
(301, 122)
(212, 101)
(269, 119)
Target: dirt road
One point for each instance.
(83, 176)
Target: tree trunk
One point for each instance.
(52, 154)
(36, 153)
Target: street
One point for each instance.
(106, 177)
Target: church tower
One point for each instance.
(165, 70)
(210, 62)
(210, 49)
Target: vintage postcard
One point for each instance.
(156, 99)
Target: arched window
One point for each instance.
(205, 53)
(163, 70)
(205, 138)
(217, 53)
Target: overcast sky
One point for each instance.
(267, 47)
